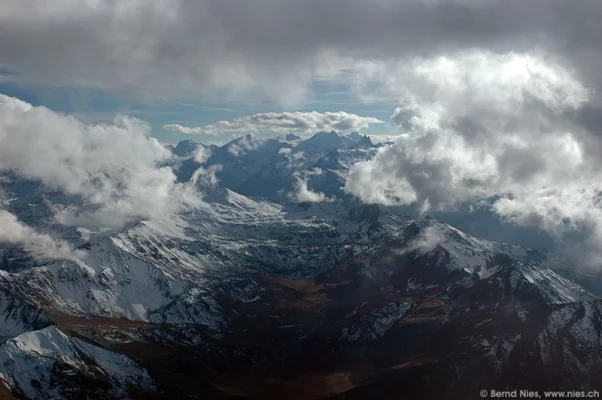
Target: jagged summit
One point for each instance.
(325, 141)
(365, 142)
(355, 136)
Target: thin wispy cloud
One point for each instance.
(187, 104)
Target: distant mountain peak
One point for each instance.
(186, 148)
(249, 137)
(326, 141)
(365, 141)
(356, 136)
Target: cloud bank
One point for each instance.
(216, 47)
(298, 122)
(114, 168)
(510, 132)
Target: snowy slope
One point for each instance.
(16, 315)
(165, 270)
(36, 364)
(578, 326)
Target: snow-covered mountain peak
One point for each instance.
(39, 364)
(355, 136)
(362, 141)
(325, 141)
(365, 142)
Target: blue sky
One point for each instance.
(98, 105)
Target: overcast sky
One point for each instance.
(194, 63)
(495, 103)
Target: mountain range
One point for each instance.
(282, 285)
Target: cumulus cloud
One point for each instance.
(12, 231)
(299, 122)
(204, 176)
(506, 131)
(114, 168)
(302, 191)
(304, 194)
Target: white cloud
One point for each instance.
(425, 242)
(428, 240)
(244, 144)
(188, 130)
(482, 77)
(113, 167)
(501, 129)
(38, 245)
(204, 177)
(298, 122)
(201, 154)
(304, 194)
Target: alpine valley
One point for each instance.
(280, 285)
